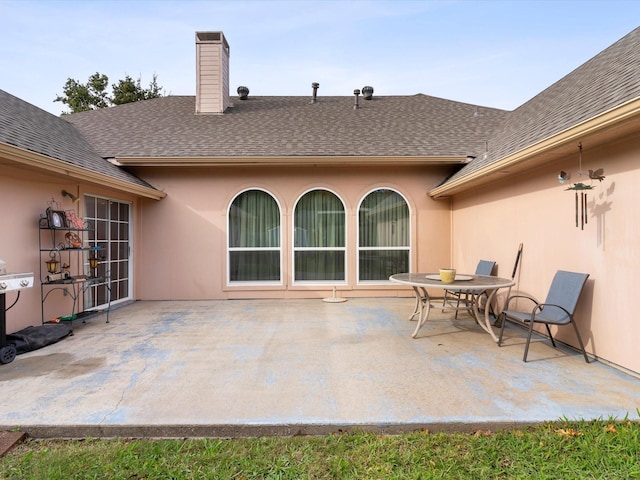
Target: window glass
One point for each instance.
(254, 238)
(384, 235)
(319, 238)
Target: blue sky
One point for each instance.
(491, 53)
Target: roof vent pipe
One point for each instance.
(356, 105)
(243, 92)
(315, 86)
(367, 92)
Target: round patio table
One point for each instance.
(475, 285)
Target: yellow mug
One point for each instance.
(447, 275)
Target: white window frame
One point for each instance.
(243, 283)
(295, 249)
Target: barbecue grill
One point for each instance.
(10, 282)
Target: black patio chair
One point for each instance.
(557, 309)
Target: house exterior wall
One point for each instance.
(179, 243)
(24, 195)
(185, 235)
(534, 209)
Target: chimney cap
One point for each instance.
(216, 37)
(212, 37)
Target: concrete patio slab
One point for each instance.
(284, 367)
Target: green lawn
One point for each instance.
(560, 450)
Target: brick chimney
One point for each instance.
(212, 73)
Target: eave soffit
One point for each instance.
(267, 161)
(31, 160)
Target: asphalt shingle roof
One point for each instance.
(31, 128)
(289, 126)
(608, 80)
(417, 125)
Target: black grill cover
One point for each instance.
(33, 338)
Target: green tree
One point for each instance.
(81, 97)
(127, 91)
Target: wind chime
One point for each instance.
(581, 190)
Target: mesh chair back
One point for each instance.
(565, 291)
(485, 267)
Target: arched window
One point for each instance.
(383, 236)
(319, 238)
(254, 238)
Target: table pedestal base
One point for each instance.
(423, 307)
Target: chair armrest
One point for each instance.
(526, 297)
(540, 307)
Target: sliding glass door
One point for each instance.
(111, 223)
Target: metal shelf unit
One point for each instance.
(66, 270)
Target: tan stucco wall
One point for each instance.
(24, 196)
(184, 235)
(179, 243)
(536, 210)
